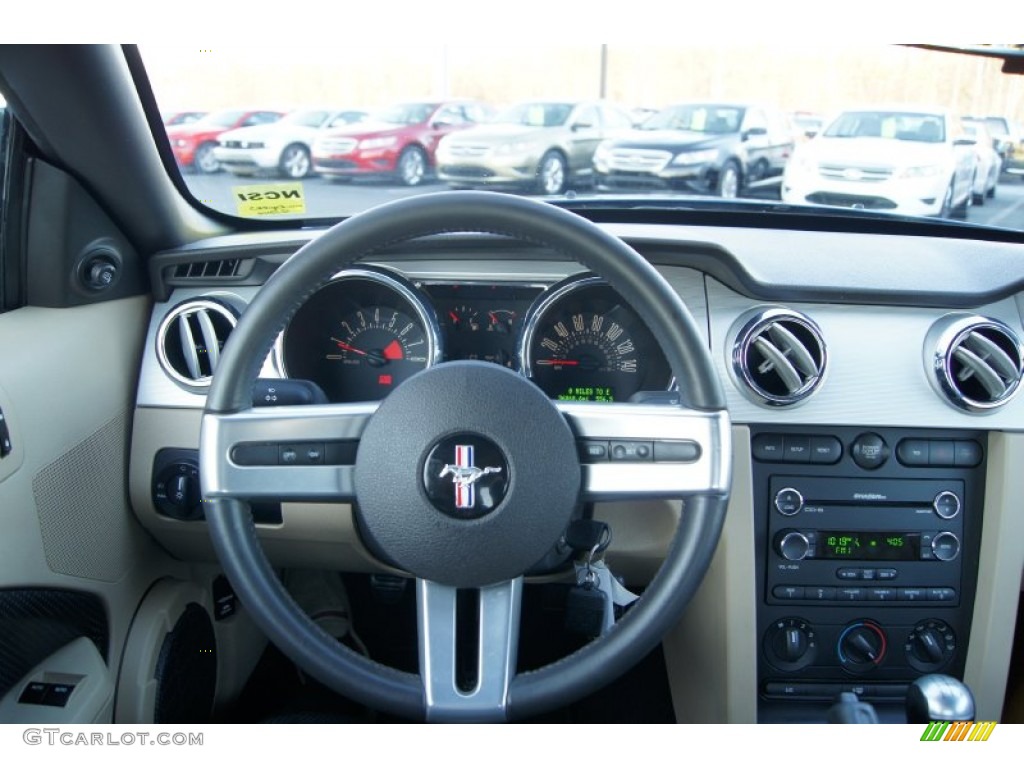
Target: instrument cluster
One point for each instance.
(369, 329)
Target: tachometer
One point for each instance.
(360, 336)
(583, 342)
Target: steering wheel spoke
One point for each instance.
(293, 453)
(632, 451)
(474, 634)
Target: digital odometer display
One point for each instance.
(868, 545)
(588, 394)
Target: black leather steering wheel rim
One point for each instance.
(231, 527)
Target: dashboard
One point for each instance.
(872, 384)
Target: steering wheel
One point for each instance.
(532, 442)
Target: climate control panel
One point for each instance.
(867, 556)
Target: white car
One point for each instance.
(989, 161)
(281, 147)
(911, 160)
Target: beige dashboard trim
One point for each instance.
(1001, 563)
(711, 655)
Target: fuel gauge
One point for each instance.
(501, 321)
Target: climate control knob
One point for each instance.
(862, 646)
(931, 646)
(790, 644)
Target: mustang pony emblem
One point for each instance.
(464, 475)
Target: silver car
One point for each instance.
(545, 145)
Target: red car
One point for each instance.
(193, 143)
(397, 142)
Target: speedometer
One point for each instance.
(360, 336)
(583, 342)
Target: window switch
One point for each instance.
(57, 694)
(34, 693)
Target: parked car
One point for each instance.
(721, 149)
(807, 125)
(181, 118)
(1013, 163)
(909, 160)
(282, 147)
(397, 142)
(541, 145)
(193, 144)
(1007, 135)
(989, 163)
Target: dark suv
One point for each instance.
(721, 149)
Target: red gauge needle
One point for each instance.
(558, 362)
(347, 347)
(454, 317)
(393, 351)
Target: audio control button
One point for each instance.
(884, 594)
(788, 501)
(793, 545)
(912, 594)
(942, 594)
(946, 505)
(797, 449)
(870, 451)
(788, 593)
(946, 546)
(848, 574)
(850, 594)
(886, 574)
(819, 593)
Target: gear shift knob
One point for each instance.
(939, 697)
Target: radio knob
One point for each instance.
(946, 505)
(788, 501)
(793, 545)
(945, 546)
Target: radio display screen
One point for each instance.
(868, 545)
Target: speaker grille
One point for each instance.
(186, 671)
(86, 522)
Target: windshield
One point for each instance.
(701, 118)
(404, 114)
(904, 126)
(306, 118)
(539, 115)
(838, 130)
(226, 119)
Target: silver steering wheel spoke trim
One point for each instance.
(709, 473)
(221, 433)
(497, 640)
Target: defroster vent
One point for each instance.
(190, 339)
(977, 362)
(778, 356)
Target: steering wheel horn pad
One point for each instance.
(403, 525)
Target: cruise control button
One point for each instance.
(593, 450)
(682, 451)
(255, 454)
(825, 449)
(767, 447)
(912, 453)
(631, 451)
(870, 451)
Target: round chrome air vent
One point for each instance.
(190, 338)
(976, 362)
(778, 356)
